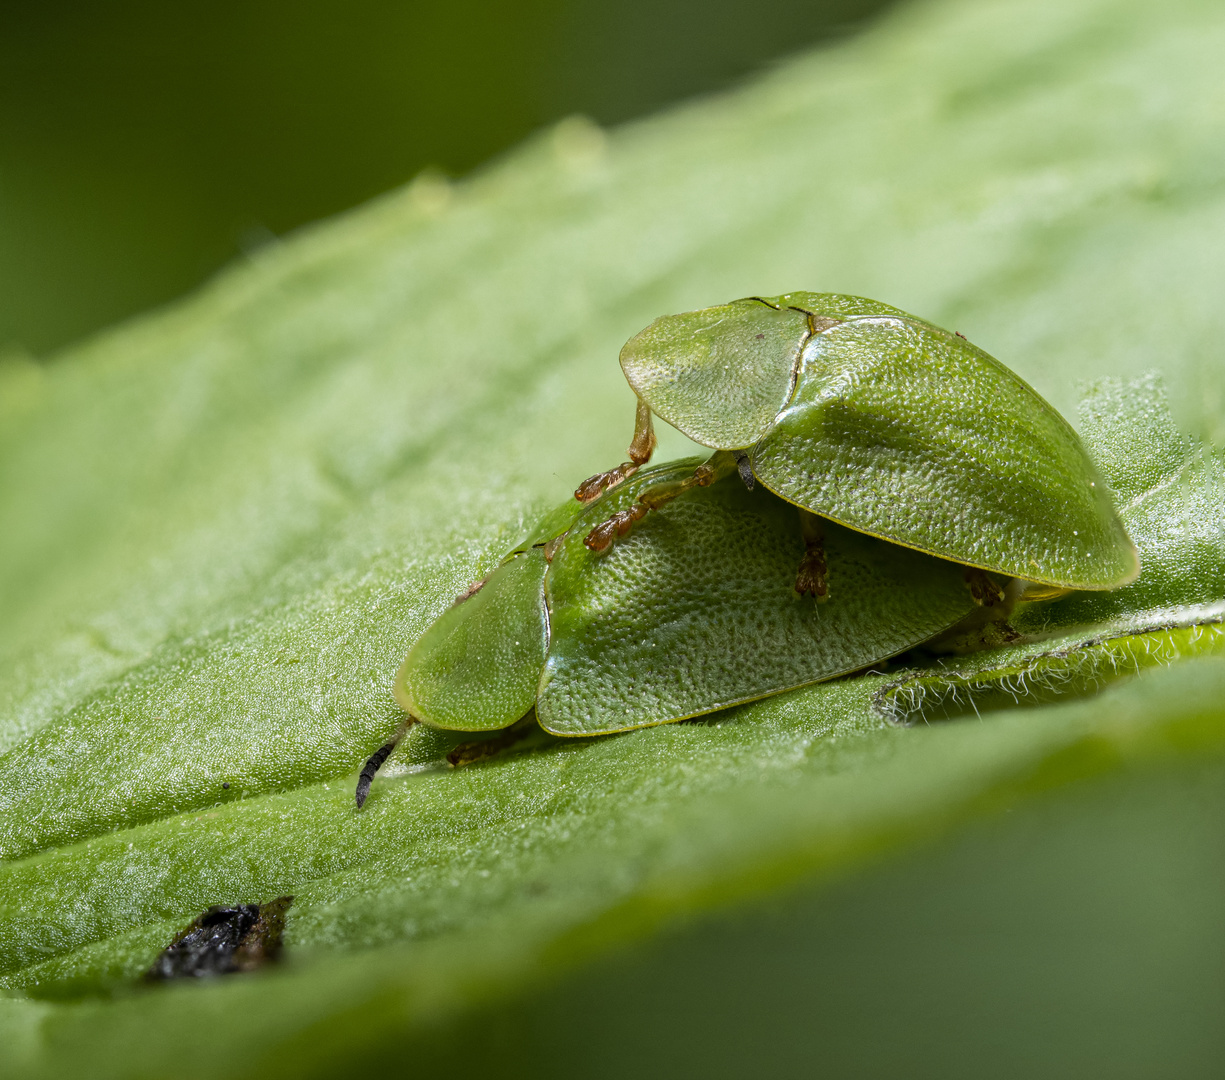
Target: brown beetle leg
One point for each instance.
(375, 761)
(985, 590)
(618, 525)
(985, 627)
(811, 577)
(471, 752)
(720, 464)
(641, 447)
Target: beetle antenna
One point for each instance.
(375, 762)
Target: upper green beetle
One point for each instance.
(693, 613)
(865, 415)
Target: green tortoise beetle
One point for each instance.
(692, 613)
(862, 414)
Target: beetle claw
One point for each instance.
(811, 577)
(618, 525)
(471, 752)
(595, 486)
(600, 537)
(985, 590)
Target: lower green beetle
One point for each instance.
(693, 613)
(867, 416)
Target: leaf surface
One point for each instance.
(224, 526)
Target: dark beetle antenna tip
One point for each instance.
(745, 467)
(373, 764)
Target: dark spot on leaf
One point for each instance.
(224, 940)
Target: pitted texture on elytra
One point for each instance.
(835, 305)
(477, 667)
(696, 609)
(720, 375)
(906, 431)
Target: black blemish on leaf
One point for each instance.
(223, 940)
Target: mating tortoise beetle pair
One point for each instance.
(917, 462)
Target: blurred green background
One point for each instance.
(143, 145)
(1079, 935)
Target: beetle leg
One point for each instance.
(471, 752)
(375, 761)
(986, 627)
(720, 464)
(641, 447)
(618, 525)
(811, 577)
(986, 591)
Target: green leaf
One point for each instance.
(224, 526)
